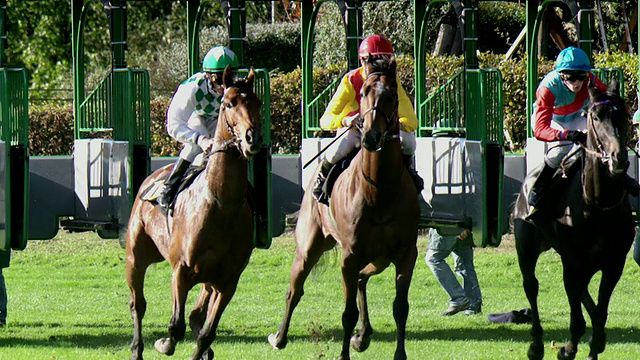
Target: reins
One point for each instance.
(600, 154)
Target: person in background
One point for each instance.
(5, 257)
(344, 109)
(443, 242)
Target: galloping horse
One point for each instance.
(373, 215)
(209, 239)
(589, 224)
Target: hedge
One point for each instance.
(51, 128)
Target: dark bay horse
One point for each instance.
(589, 224)
(373, 216)
(209, 239)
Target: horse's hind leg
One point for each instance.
(307, 255)
(361, 340)
(575, 284)
(140, 254)
(180, 285)
(198, 315)
(404, 273)
(217, 304)
(608, 282)
(528, 249)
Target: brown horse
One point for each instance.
(589, 224)
(373, 215)
(209, 239)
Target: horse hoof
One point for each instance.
(273, 340)
(360, 343)
(165, 346)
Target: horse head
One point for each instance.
(240, 114)
(608, 128)
(379, 103)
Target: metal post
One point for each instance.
(352, 17)
(78, 15)
(3, 34)
(236, 21)
(193, 36)
(587, 23)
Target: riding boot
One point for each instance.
(633, 188)
(538, 187)
(260, 214)
(172, 183)
(417, 180)
(317, 191)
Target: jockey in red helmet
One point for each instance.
(344, 108)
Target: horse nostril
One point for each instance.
(249, 137)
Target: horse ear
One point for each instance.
(593, 92)
(614, 86)
(392, 64)
(249, 79)
(227, 77)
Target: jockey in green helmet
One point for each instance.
(193, 115)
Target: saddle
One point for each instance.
(337, 169)
(153, 192)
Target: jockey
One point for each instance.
(193, 115)
(344, 108)
(559, 113)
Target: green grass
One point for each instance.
(68, 299)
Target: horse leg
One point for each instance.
(361, 340)
(608, 282)
(528, 250)
(575, 285)
(198, 315)
(217, 304)
(404, 273)
(307, 255)
(177, 327)
(350, 314)
(136, 268)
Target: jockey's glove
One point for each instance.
(577, 137)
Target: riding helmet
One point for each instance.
(218, 58)
(573, 58)
(375, 45)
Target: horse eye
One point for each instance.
(227, 105)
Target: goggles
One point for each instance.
(574, 76)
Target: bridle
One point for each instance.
(235, 140)
(601, 153)
(389, 118)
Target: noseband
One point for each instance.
(389, 118)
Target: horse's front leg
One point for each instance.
(137, 305)
(350, 314)
(198, 315)
(217, 304)
(180, 285)
(608, 282)
(528, 249)
(361, 340)
(404, 273)
(307, 256)
(575, 285)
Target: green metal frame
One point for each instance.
(471, 103)
(119, 106)
(14, 133)
(535, 15)
(313, 106)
